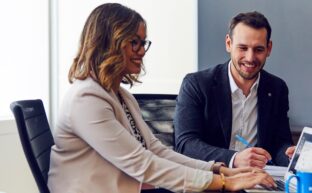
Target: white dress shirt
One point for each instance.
(244, 115)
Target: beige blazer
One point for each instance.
(94, 151)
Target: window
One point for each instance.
(24, 53)
(172, 30)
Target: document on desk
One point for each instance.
(275, 170)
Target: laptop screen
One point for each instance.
(302, 157)
(301, 160)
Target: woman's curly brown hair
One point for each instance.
(107, 30)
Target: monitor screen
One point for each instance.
(302, 158)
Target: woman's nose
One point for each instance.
(141, 51)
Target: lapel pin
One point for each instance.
(269, 94)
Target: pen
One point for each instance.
(245, 142)
(242, 140)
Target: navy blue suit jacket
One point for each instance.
(203, 116)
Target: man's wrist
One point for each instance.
(231, 164)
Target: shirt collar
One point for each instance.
(234, 86)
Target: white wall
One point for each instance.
(24, 52)
(15, 175)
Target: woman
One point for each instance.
(102, 143)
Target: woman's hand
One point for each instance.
(233, 171)
(248, 180)
(242, 181)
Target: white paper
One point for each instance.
(275, 170)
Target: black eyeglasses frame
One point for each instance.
(138, 43)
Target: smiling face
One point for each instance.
(133, 60)
(249, 49)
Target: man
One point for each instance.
(236, 98)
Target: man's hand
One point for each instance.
(253, 156)
(290, 151)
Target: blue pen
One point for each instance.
(242, 140)
(245, 142)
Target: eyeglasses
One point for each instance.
(138, 43)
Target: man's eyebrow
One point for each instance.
(244, 45)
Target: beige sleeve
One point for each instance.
(161, 150)
(94, 121)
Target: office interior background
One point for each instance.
(39, 39)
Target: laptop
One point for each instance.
(301, 160)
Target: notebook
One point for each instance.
(301, 160)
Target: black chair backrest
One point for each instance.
(157, 111)
(36, 138)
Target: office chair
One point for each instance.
(36, 138)
(157, 111)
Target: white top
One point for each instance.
(244, 114)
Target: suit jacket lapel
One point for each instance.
(265, 96)
(222, 95)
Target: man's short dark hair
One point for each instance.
(252, 19)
